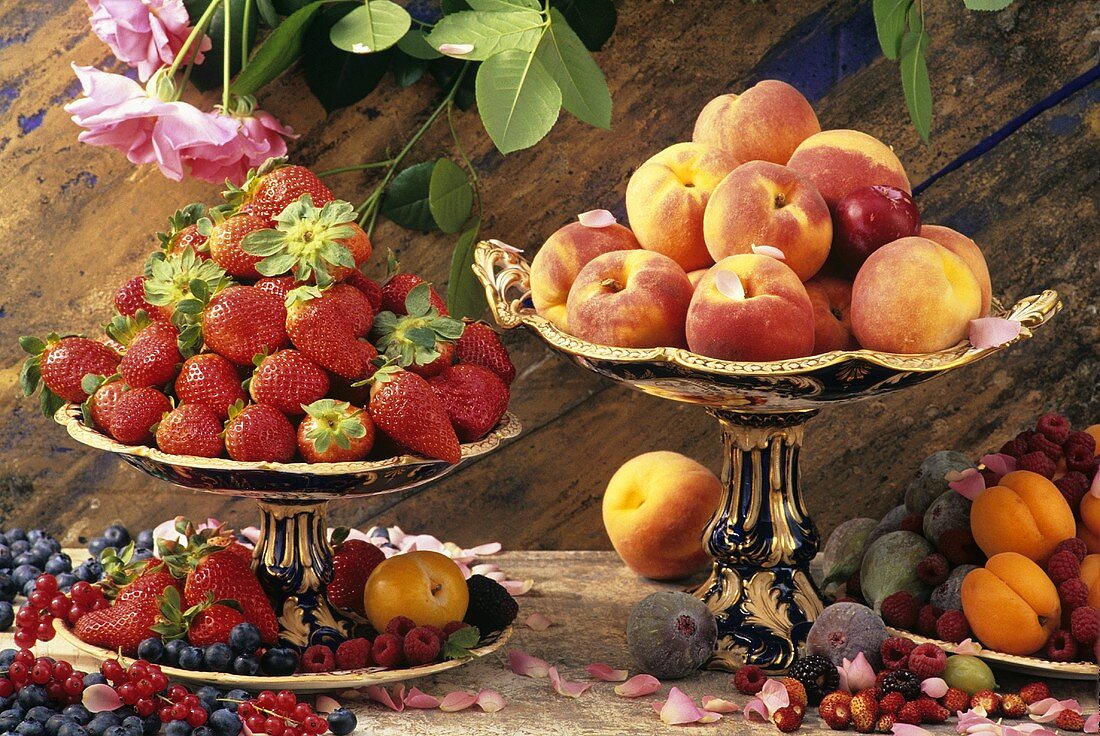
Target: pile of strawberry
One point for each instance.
(253, 333)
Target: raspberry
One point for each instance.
(1037, 462)
(885, 723)
(421, 646)
(900, 610)
(933, 569)
(749, 680)
(864, 709)
(318, 658)
(796, 691)
(1039, 443)
(454, 626)
(988, 700)
(927, 660)
(931, 711)
(1053, 427)
(353, 654)
(958, 546)
(400, 626)
(926, 619)
(895, 652)
(908, 713)
(1061, 646)
(1076, 545)
(1073, 485)
(952, 627)
(1073, 593)
(1034, 692)
(912, 523)
(1081, 459)
(835, 710)
(1063, 566)
(955, 700)
(788, 718)
(891, 702)
(1026, 435)
(1015, 447)
(1080, 439)
(1013, 706)
(1070, 720)
(439, 633)
(1084, 624)
(387, 651)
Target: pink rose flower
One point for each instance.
(258, 137)
(145, 34)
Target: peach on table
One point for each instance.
(831, 299)
(766, 122)
(838, 161)
(968, 250)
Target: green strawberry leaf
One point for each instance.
(32, 345)
(30, 375)
(465, 295)
(407, 198)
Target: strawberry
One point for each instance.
(130, 298)
(268, 190)
(224, 576)
(60, 364)
(152, 357)
(369, 287)
(181, 284)
(320, 328)
(353, 560)
(204, 623)
(357, 307)
(396, 290)
(236, 548)
(101, 402)
(260, 432)
(226, 237)
(316, 244)
(136, 610)
(280, 286)
(405, 407)
(286, 381)
(335, 432)
(210, 379)
(481, 345)
(183, 232)
(135, 413)
(191, 429)
(243, 321)
(421, 339)
(474, 397)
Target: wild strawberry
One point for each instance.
(955, 700)
(370, 288)
(931, 711)
(988, 700)
(474, 397)
(226, 249)
(191, 429)
(259, 432)
(335, 432)
(1070, 720)
(313, 243)
(102, 401)
(796, 691)
(320, 329)
(181, 285)
(280, 286)
(864, 709)
(222, 575)
(60, 364)
(287, 380)
(353, 560)
(124, 625)
(788, 718)
(135, 413)
(885, 723)
(268, 190)
(421, 338)
(152, 356)
(396, 291)
(209, 379)
(243, 321)
(1013, 706)
(835, 710)
(404, 406)
(203, 624)
(183, 232)
(130, 298)
(908, 713)
(481, 345)
(891, 702)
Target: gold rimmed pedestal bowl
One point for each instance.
(761, 538)
(293, 559)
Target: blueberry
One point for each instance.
(96, 546)
(76, 711)
(55, 722)
(244, 638)
(35, 534)
(7, 702)
(9, 720)
(208, 696)
(116, 731)
(152, 725)
(142, 554)
(7, 616)
(144, 539)
(30, 728)
(40, 713)
(191, 658)
(94, 678)
(218, 657)
(177, 728)
(24, 574)
(172, 651)
(65, 580)
(59, 563)
(134, 725)
(246, 664)
(32, 695)
(117, 536)
(90, 570)
(279, 661)
(102, 721)
(19, 547)
(72, 729)
(15, 534)
(225, 723)
(28, 588)
(202, 731)
(5, 556)
(7, 656)
(341, 722)
(29, 558)
(8, 588)
(151, 650)
(230, 701)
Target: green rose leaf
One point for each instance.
(373, 26)
(281, 49)
(465, 295)
(407, 70)
(406, 200)
(890, 24)
(517, 98)
(504, 5)
(415, 44)
(450, 196)
(915, 84)
(583, 87)
(489, 32)
(986, 4)
(208, 74)
(593, 20)
(453, 6)
(268, 14)
(335, 77)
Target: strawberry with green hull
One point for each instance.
(353, 560)
(396, 290)
(280, 286)
(183, 232)
(226, 241)
(421, 339)
(475, 399)
(370, 288)
(191, 429)
(481, 345)
(135, 414)
(335, 432)
(210, 379)
(404, 406)
(202, 624)
(270, 189)
(130, 299)
(243, 321)
(131, 619)
(103, 394)
(259, 432)
(356, 307)
(320, 329)
(286, 381)
(181, 284)
(59, 365)
(152, 350)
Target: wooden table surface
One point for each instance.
(588, 596)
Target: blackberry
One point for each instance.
(817, 674)
(491, 608)
(902, 681)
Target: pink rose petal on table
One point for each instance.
(679, 710)
(756, 707)
(325, 704)
(770, 251)
(774, 695)
(507, 249)
(455, 49)
(1047, 709)
(1092, 723)
(538, 622)
(906, 729)
(999, 463)
(566, 688)
(934, 687)
(967, 646)
(855, 674)
(637, 686)
(456, 701)
(714, 704)
(968, 483)
(381, 695)
(604, 672)
(490, 701)
(709, 716)
(517, 587)
(992, 332)
(729, 284)
(99, 698)
(596, 218)
(526, 665)
(416, 698)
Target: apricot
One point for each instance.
(766, 122)
(1011, 604)
(1088, 529)
(1090, 576)
(563, 255)
(1025, 514)
(667, 196)
(913, 296)
(968, 250)
(425, 586)
(831, 299)
(838, 161)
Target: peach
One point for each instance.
(913, 296)
(654, 510)
(1090, 576)
(1011, 604)
(696, 276)
(772, 320)
(666, 198)
(1025, 513)
(838, 161)
(831, 298)
(425, 586)
(563, 255)
(762, 203)
(766, 122)
(968, 250)
(630, 299)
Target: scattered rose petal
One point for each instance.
(856, 674)
(638, 685)
(455, 49)
(775, 696)
(596, 218)
(99, 698)
(1026, 729)
(251, 533)
(379, 694)
(967, 646)
(999, 464)
(729, 284)
(1047, 709)
(538, 622)
(1092, 723)
(456, 701)
(566, 688)
(484, 569)
(507, 249)
(756, 707)
(526, 665)
(709, 716)
(419, 699)
(325, 704)
(517, 587)
(714, 704)
(906, 729)
(679, 709)
(360, 48)
(992, 332)
(968, 483)
(770, 251)
(490, 701)
(604, 672)
(934, 687)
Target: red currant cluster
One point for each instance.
(34, 622)
(281, 714)
(63, 684)
(142, 685)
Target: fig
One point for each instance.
(671, 634)
(889, 523)
(844, 549)
(948, 595)
(950, 511)
(929, 483)
(843, 630)
(890, 565)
